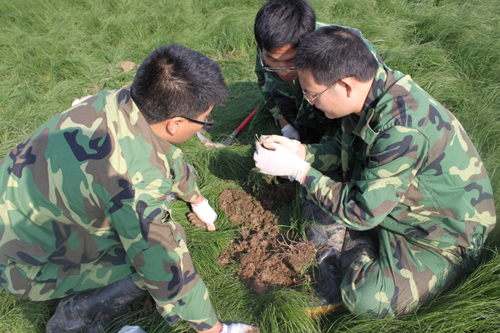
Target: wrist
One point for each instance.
(283, 122)
(198, 201)
(285, 128)
(299, 171)
(301, 152)
(215, 329)
(303, 181)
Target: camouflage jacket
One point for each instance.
(90, 179)
(408, 167)
(285, 97)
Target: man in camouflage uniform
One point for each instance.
(410, 176)
(279, 27)
(83, 203)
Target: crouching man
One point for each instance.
(84, 211)
(412, 202)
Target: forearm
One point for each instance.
(185, 184)
(164, 261)
(269, 101)
(332, 196)
(305, 175)
(216, 329)
(382, 184)
(194, 306)
(198, 200)
(283, 106)
(325, 156)
(283, 122)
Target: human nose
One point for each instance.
(284, 71)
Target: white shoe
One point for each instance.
(239, 328)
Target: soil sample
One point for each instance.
(266, 257)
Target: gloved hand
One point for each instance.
(280, 162)
(290, 132)
(291, 144)
(239, 328)
(205, 213)
(79, 100)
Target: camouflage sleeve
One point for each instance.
(391, 165)
(184, 176)
(157, 247)
(263, 87)
(325, 156)
(185, 184)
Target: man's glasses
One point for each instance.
(275, 69)
(208, 121)
(310, 98)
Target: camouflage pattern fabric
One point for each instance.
(284, 99)
(82, 205)
(411, 174)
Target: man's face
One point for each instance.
(331, 100)
(179, 129)
(189, 128)
(283, 57)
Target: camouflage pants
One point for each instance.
(380, 273)
(50, 281)
(399, 278)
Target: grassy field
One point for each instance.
(55, 51)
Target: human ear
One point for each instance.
(173, 125)
(346, 85)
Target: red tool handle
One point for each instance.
(247, 120)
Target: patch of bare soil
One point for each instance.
(266, 257)
(143, 306)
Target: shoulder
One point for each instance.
(405, 103)
(172, 153)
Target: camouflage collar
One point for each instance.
(377, 89)
(369, 123)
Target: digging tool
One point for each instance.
(227, 142)
(320, 311)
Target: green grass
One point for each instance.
(55, 51)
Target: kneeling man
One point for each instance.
(410, 197)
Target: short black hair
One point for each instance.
(176, 81)
(282, 22)
(332, 53)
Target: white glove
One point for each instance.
(205, 213)
(239, 328)
(290, 132)
(291, 144)
(79, 100)
(280, 162)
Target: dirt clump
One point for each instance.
(266, 257)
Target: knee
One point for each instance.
(372, 297)
(359, 298)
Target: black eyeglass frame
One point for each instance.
(204, 123)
